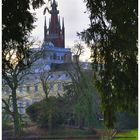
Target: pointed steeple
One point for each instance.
(45, 22)
(62, 22)
(59, 19)
(54, 8)
(59, 23)
(63, 32)
(45, 29)
(63, 27)
(54, 1)
(56, 30)
(49, 26)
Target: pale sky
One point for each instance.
(75, 20)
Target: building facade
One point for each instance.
(51, 65)
(54, 38)
(30, 89)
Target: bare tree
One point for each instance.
(44, 76)
(87, 105)
(17, 66)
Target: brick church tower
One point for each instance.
(55, 33)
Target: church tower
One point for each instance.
(54, 33)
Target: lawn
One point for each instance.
(35, 132)
(61, 132)
(133, 135)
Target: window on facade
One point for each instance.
(20, 107)
(20, 89)
(28, 88)
(58, 57)
(59, 86)
(27, 103)
(51, 87)
(50, 76)
(54, 56)
(66, 75)
(51, 57)
(36, 88)
(62, 57)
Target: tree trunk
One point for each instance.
(16, 116)
(81, 122)
(50, 122)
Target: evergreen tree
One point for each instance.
(113, 38)
(17, 23)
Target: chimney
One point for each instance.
(67, 58)
(75, 58)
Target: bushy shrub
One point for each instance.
(6, 121)
(48, 112)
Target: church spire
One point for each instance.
(54, 1)
(63, 27)
(59, 23)
(54, 8)
(63, 32)
(63, 24)
(45, 29)
(56, 32)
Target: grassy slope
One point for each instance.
(132, 133)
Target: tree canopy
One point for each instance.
(17, 24)
(113, 38)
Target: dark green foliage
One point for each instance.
(32, 111)
(47, 111)
(126, 120)
(6, 120)
(83, 98)
(17, 24)
(16, 20)
(113, 38)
